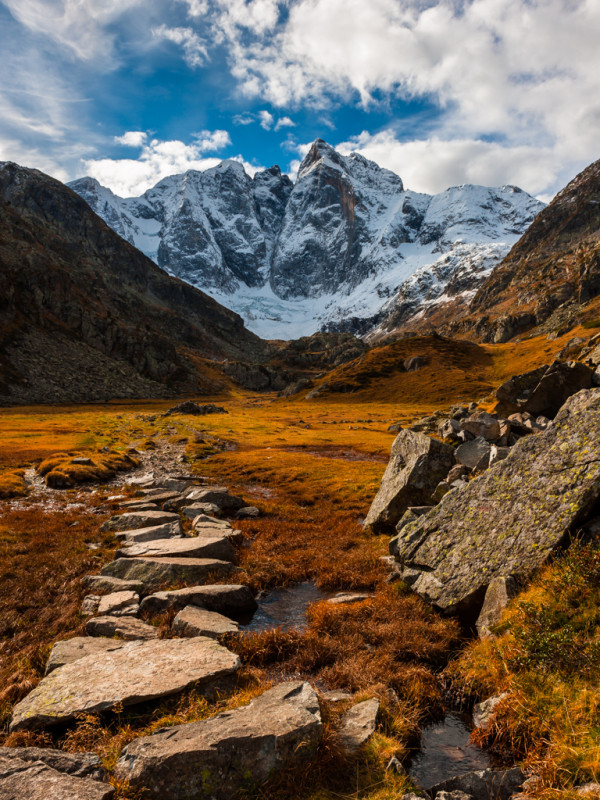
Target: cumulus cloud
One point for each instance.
(266, 120)
(196, 8)
(284, 122)
(158, 159)
(194, 48)
(132, 138)
(521, 73)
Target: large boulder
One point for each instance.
(544, 390)
(417, 464)
(236, 750)
(26, 780)
(134, 673)
(511, 518)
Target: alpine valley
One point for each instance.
(340, 249)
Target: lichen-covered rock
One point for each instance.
(474, 454)
(236, 750)
(132, 674)
(511, 518)
(417, 464)
(484, 711)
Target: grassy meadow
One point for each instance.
(312, 467)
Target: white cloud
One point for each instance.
(80, 26)
(196, 8)
(158, 159)
(258, 16)
(519, 72)
(432, 165)
(132, 138)
(266, 120)
(194, 48)
(244, 119)
(285, 122)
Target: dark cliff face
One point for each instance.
(71, 286)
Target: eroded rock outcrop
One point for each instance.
(512, 517)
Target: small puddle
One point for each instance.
(285, 608)
(446, 751)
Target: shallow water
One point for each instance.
(446, 751)
(285, 608)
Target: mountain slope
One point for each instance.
(84, 315)
(334, 251)
(546, 282)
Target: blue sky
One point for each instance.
(441, 91)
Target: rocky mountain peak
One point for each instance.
(329, 251)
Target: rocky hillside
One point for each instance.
(331, 251)
(86, 316)
(547, 280)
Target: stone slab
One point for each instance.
(132, 674)
(68, 650)
(102, 584)
(81, 765)
(358, 725)
(23, 780)
(154, 572)
(119, 604)
(128, 628)
(138, 519)
(236, 750)
(228, 599)
(189, 547)
(194, 621)
(166, 531)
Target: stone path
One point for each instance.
(123, 661)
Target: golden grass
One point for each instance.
(12, 484)
(62, 472)
(546, 658)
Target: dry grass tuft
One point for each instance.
(12, 484)
(64, 470)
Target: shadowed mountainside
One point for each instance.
(86, 316)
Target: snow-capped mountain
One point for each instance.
(341, 248)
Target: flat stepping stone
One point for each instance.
(81, 765)
(207, 531)
(195, 621)
(168, 531)
(158, 495)
(134, 673)
(215, 758)
(206, 519)
(119, 604)
(196, 547)
(68, 650)
(348, 598)
(220, 497)
(358, 725)
(124, 627)
(102, 584)
(140, 505)
(228, 599)
(24, 780)
(154, 572)
(138, 519)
